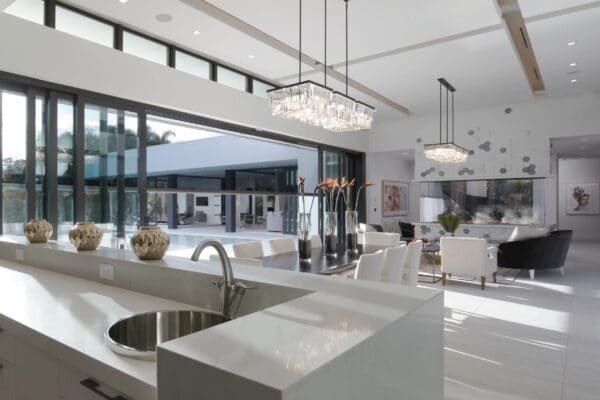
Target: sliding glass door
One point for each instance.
(110, 166)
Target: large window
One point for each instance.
(144, 48)
(87, 162)
(31, 10)
(488, 201)
(84, 27)
(14, 162)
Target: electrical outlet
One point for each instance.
(20, 255)
(107, 272)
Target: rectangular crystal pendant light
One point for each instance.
(305, 102)
(447, 153)
(318, 105)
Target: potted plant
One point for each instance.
(449, 222)
(304, 219)
(349, 191)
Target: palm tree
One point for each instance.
(154, 139)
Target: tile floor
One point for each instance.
(529, 340)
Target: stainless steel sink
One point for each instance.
(138, 335)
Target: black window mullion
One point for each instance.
(249, 84)
(118, 41)
(50, 13)
(51, 163)
(213, 71)
(171, 56)
(79, 177)
(142, 165)
(30, 155)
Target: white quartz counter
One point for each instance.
(61, 313)
(330, 338)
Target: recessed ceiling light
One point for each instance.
(164, 17)
(196, 32)
(123, 1)
(573, 64)
(251, 55)
(573, 80)
(571, 44)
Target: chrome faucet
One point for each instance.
(230, 290)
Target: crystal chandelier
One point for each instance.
(318, 105)
(446, 152)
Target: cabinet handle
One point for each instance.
(93, 386)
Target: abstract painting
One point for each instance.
(394, 198)
(583, 198)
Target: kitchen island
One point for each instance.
(298, 336)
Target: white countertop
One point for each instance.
(75, 313)
(276, 347)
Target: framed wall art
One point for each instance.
(394, 198)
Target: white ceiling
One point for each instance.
(397, 47)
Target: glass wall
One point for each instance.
(481, 202)
(195, 180)
(260, 88)
(14, 145)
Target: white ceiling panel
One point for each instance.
(216, 39)
(375, 26)
(530, 8)
(550, 37)
(483, 68)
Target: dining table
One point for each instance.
(320, 262)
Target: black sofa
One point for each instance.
(545, 252)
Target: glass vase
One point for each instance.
(330, 233)
(304, 240)
(351, 220)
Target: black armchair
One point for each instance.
(533, 254)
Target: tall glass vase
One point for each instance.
(304, 240)
(351, 220)
(330, 231)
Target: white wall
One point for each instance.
(577, 170)
(382, 166)
(526, 131)
(54, 56)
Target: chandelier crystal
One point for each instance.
(447, 153)
(318, 105)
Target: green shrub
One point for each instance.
(449, 222)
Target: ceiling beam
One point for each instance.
(263, 37)
(564, 11)
(519, 38)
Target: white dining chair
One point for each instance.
(384, 239)
(315, 242)
(370, 266)
(413, 262)
(248, 250)
(282, 245)
(393, 264)
(249, 262)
